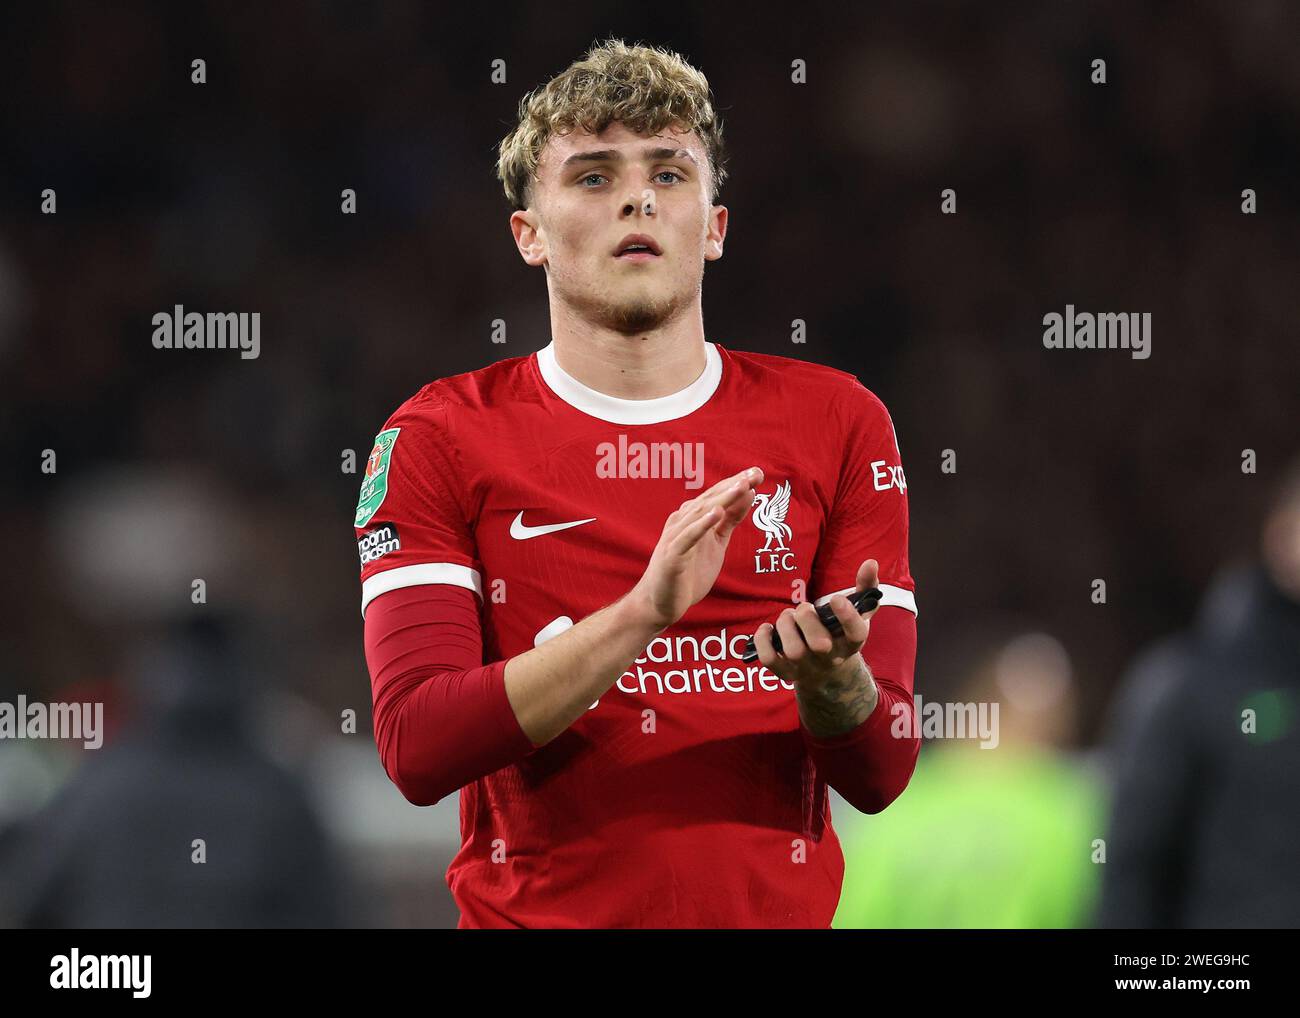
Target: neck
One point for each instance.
(645, 365)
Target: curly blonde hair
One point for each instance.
(643, 87)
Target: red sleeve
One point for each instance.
(441, 717)
(872, 764)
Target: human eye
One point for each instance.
(586, 178)
(671, 173)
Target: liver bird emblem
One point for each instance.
(769, 516)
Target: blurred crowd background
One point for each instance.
(226, 720)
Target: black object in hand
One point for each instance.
(863, 600)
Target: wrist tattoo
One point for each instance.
(840, 705)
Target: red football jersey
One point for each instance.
(686, 795)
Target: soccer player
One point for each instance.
(563, 554)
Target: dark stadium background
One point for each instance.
(1071, 465)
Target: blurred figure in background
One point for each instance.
(117, 846)
(1206, 824)
(986, 838)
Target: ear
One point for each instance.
(717, 233)
(529, 237)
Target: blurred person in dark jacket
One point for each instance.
(184, 819)
(116, 847)
(1205, 830)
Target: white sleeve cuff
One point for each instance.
(423, 572)
(899, 597)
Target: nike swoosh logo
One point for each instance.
(520, 532)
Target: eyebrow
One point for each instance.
(610, 155)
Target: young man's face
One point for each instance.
(594, 190)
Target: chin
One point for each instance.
(640, 314)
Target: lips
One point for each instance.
(637, 244)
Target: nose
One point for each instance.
(646, 201)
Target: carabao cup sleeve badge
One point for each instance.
(374, 485)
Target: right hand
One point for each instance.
(686, 561)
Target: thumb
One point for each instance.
(868, 574)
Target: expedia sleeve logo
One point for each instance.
(375, 544)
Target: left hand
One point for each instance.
(810, 657)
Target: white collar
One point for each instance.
(631, 411)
